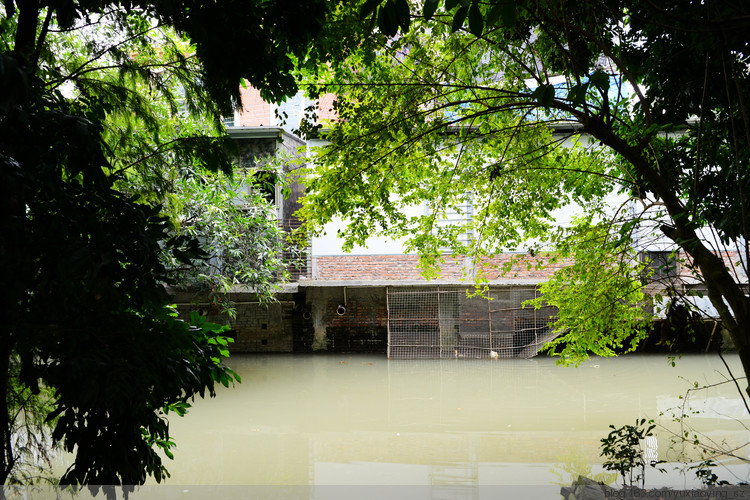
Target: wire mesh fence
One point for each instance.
(446, 322)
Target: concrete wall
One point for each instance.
(348, 319)
(305, 321)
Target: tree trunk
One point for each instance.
(719, 282)
(738, 331)
(6, 423)
(26, 30)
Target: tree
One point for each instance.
(87, 216)
(463, 101)
(238, 228)
(174, 151)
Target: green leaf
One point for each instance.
(196, 319)
(368, 8)
(402, 14)
(476, 23)
(508, 14)
(494, 15)
(388, 18)
(600, 79)
(459, 18)
(450, 4)
(430, 6)
(545, 94)
(625, 233)
(577, 94)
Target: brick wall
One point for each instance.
(510, 266)
(256, 327)
(405, 267)
(520, 266)
(362, 324)
(255, 112)
(325, 107)
(731, 258)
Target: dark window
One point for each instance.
(265, 182)
(663, 264)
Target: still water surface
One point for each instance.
(365, 420)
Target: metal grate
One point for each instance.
(443, 322)
(296, 257)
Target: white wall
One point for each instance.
(329, 243)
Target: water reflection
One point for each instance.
(362, 420)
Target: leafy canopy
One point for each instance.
(107, 118)
(628, 115)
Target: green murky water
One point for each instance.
(443, 425)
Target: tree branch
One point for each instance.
(103, 52)
(42, 37)
(156, 151)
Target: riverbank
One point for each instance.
(588, 489)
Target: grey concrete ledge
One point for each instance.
(414, 283)
(187, 295)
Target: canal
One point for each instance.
(461, 427)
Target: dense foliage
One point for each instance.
(590, 130)
(109, 122)
(238, 229)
